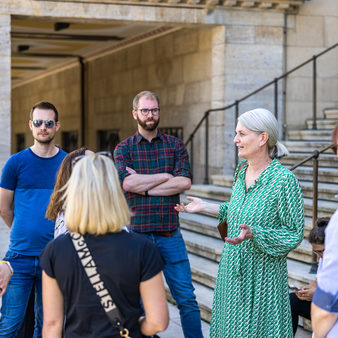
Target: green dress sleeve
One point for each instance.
(223, 212)
(280, 239)
(223, 208)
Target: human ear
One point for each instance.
(264, 138)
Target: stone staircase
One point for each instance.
(200, 233)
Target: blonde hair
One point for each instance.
(93, 198)
(262, 120)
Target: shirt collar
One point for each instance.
(139, 137)
(264, 176)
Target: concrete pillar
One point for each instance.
(5, 87)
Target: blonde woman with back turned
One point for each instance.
(130, 266)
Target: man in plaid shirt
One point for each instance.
(154, 169)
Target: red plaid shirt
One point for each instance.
(164, 154)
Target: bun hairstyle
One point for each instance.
(317, 234)
(262, 120)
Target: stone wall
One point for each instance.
(62, 88)
(309, 32)
(176, 66)
(5, 90)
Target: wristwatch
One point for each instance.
(9, 266)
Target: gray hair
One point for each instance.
(262, 120)
(148, 94)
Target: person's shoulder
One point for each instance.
(126, 142)
(171, 139)
(19, 156)
(283, 173)
(62, 153)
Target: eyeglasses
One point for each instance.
(48, 123)
(103, 153)
(146, 111)
(334, 148)
(318, 252)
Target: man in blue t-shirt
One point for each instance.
(27, 182)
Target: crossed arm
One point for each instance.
(163, 184)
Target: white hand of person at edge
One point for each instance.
(306, 292)
(196, 205)
(131, 171)
(5, 276)
(246, 233)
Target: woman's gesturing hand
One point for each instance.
(196, 205)
(246, 233)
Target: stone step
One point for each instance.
(204, 246)
(325, 208)
(322, 123)
(207, 225)
(325, 175)
(204, 296)
(331, 113)
(310, 135)
(305, 146)
(209, 191)
(327, 159)
(204, 271)
(303, 253)
(326, 191)
(211, 247)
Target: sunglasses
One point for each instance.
(334, 148)
(318, 252)
(103, 153)
(48, 123)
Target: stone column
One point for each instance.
(5, 109)
(216, 124)
(5, 88)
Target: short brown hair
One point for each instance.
(46, 106)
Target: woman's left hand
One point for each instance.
(246, 233)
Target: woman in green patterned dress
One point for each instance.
(265, 219)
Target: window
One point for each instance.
(69, 140)
(107, 139)
(20, 142)
(173, 131)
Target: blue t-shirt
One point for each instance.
(32, 178)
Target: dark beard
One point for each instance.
(145, 126)
(47, 141)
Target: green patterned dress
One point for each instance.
(251, 297)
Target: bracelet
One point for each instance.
(9, 266)
(146, 193)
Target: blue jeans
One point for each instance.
(27, 272)
(178, 277)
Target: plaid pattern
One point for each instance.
(164, 154)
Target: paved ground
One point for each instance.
(174, 329)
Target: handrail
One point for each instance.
(316, 153)
(314, 157)
(237, 102)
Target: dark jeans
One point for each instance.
(27, 328)
(299, 308)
